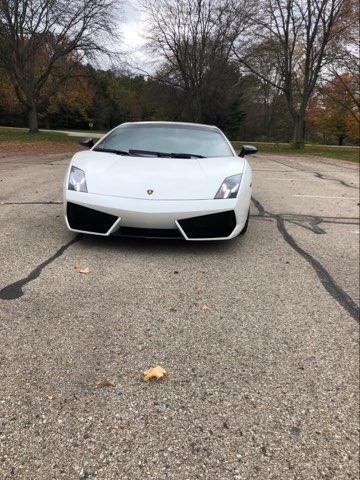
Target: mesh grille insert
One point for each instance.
(216, 225)
(88, 219)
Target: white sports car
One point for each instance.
(159, 180)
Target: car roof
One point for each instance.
(165, 123)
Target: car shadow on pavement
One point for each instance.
(167, 246)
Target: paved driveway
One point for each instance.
(263, 384)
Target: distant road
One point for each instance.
(76, 134)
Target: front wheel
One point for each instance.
(246, 224)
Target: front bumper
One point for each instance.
(189, 219)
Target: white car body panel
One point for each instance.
(169, 178)
(157, 193)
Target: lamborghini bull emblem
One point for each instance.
(150, 192)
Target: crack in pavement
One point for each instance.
(334, 290)
(297, 219)
(15, 290)
(259, 207)
(316, 174)
(313, 225)
(325, 177)
(315, 221)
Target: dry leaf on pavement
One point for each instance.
(78, 267)
(115, 426)
(204, 307)
(105, 383)
(84, 270)
(154, 373)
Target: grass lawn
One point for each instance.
(22, 135)
(328, 151)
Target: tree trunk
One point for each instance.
(341, 140)
(32, 119)
(299, 131)
(196, 107)
(196, 115)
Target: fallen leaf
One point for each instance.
(172, 309)
(84, 270)
(156, 373)
(204, 307)
(50, 397)
(115, 426)
(105, 383)
(77, 267)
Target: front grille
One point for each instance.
(89, 220)
(216, 225)
(148, 233)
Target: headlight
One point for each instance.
(77, 180)
(230, 187)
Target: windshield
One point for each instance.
(162, 140)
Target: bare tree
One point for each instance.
(301, 35)
(40, 41)
(193, 40)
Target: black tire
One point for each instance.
(246, 225)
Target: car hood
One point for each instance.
(156, 178)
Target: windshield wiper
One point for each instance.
(164, 154)
(186, 155)
(112, 150)
(148, 152)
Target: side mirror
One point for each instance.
(247, 150)
(87, 142)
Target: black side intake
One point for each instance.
(89, 220)
(215, 225)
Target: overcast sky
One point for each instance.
(131, 33)
(130, 10)
(132, 26)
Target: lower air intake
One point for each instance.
(89, 220)
(217, 225)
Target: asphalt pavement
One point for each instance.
(258, 335)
